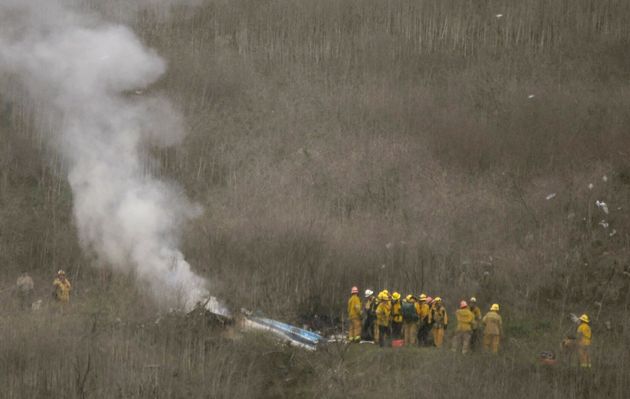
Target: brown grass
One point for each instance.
(389, 144)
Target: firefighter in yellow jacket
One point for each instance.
(492, 329)
(424, 315)
(62, 288)
(397, 316)
(465, 325)
(383, 315)
(354, 315)
(584, 339)
(439, 320)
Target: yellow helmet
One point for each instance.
(437, 299)
(494, 307)
(423, 297)
(383, 296)
(585, 318)
(395, 296)
(409, 298)
(386, 292)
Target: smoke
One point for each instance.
(86, 73)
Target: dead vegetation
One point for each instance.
(390, 144)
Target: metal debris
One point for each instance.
(285, 332)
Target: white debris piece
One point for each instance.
(602, 205)
(604, 224)
(213, 305)
(612, 233)
(550, 196)
(604, 178)
(531, 96)
(499, 15)
(590, 186)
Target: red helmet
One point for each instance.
(355, 290)
(463, 305)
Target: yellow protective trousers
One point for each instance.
(354, 333)
(438, 336)
(491, 342)
(410, 332)
(584, 356)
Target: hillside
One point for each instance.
(452, 147)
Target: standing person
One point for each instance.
(410, 320)
(439, 319)
(584, 340)
(474, 338)
(375, 332)
(354, 315)
(424, 315)
(429, 336)
(463, 333)
(397, 317)
(369, 315)
(62, 289)
(383, 314)
(25, 286)
(492, 329)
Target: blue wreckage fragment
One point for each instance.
(295, 335)
(249, 321)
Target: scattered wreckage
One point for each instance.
(254, 321)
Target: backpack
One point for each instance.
(409, 311)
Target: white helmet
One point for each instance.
(369, 293)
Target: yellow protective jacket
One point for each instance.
(423, 311)
(465, 320)
(438, 317)
(492, 324)
(354, 307)
(383, 313)
(584, 334)
(62, 290)
(397, 312)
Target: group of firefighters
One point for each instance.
(25, 289)
(422, 320)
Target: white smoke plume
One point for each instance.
(85, 72)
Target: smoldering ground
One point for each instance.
(79, 69)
